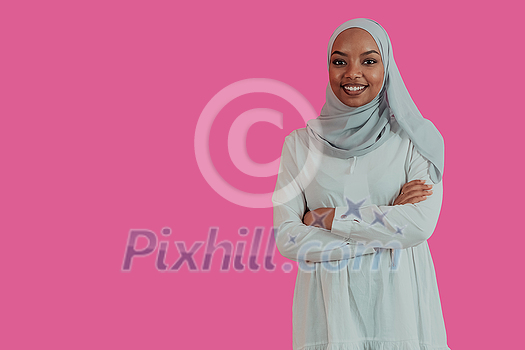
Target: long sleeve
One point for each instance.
(294, 239)
(396, 227)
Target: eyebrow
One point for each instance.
(363, 54)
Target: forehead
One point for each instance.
(354, 39)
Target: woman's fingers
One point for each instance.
(416, 197)
(413, 192)
(307, 219)
(415, 189)
(320, 217)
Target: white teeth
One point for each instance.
(352, 88)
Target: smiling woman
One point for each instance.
(356, 69)
(358, 224)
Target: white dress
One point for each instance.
(351, 292)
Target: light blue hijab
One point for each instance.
(344, 132)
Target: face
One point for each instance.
(356, 69)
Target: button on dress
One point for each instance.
(368, 283)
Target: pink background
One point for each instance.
(99, 104)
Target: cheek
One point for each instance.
(377, 79)
(334, 80)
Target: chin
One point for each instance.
(354, 103)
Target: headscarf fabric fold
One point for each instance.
(342, 131)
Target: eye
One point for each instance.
(369, 61)
(338, 62)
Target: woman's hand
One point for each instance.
(321, 217)
(413, 192)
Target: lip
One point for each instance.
(354, 93)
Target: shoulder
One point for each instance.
(413, 158)
(297, 133)
(397, 131)
(402, 137)
(400, 144)
(295, 146)
(297, 138)
(397, 145)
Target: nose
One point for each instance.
(353, 71)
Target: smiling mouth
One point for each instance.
(354, 90)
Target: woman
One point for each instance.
(358, 194)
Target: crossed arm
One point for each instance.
(412, 192)
(300, 234)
